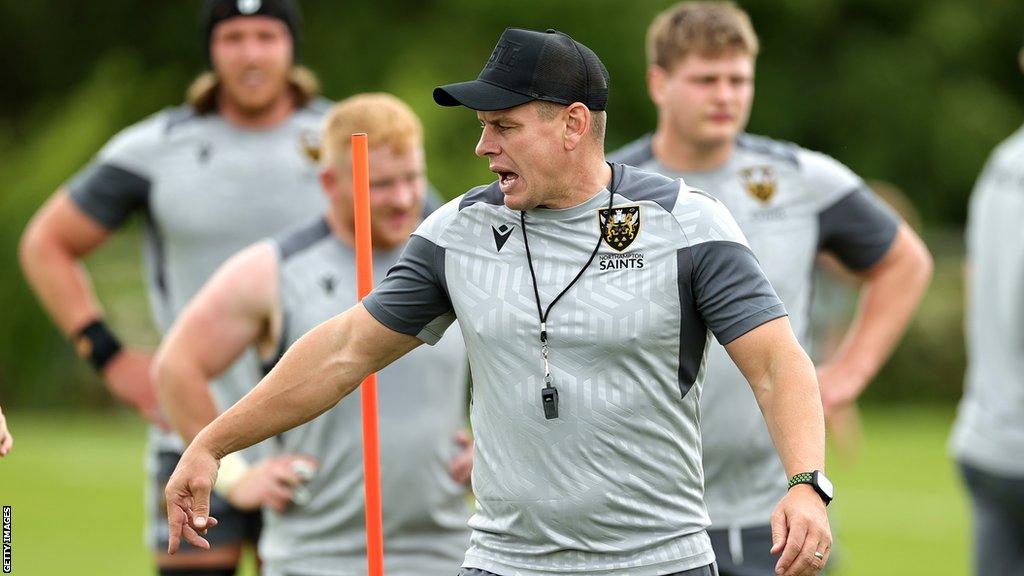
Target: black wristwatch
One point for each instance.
(817, 479)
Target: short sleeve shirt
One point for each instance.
(205, 189)
(614, 484)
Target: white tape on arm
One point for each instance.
(233, 468)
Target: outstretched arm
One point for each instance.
(783, 380)
(320, 369)
(238, 308)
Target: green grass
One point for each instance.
(76, 485)
(75, 482)
(899, 508)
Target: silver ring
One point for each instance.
(819, 555)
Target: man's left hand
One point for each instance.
(800, 530)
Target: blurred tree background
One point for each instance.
(913, 92)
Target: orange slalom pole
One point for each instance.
(368, 390)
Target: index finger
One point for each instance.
(175, 524)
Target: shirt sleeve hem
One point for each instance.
(744, 325)
(394, 323)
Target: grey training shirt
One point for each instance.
(790, 203)
(614, 484)
(989, 429)
(422, 403)
(206, 189)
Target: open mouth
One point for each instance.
(507, 179)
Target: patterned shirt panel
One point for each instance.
(614, 484)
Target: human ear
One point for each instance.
(577, 124)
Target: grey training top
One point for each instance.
(790, 203)
(989, 429)
(206, 189)
(422, 403)
(614, 484)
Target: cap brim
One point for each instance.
(479, 95)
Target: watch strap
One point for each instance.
(802, 478)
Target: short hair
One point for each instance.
(704, 28)
(202, 92)
(598, 118)
(385, 119)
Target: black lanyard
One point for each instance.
(549, 394)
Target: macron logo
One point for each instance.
(502, 234)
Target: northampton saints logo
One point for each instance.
(619, 226)
(760, 182)
(309, 144)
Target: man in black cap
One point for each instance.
(210, 177)
(586, 293)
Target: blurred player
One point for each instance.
(6, 440)
(790, 203)
(209, 178)
(988, 437)
(271, 294)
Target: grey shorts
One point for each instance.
(747, 552)
(998, 517)
(233, 526)
(708, 570)
(744, 552)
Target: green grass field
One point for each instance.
(76, 485)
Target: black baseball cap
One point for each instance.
(527, 65)
(216, 11)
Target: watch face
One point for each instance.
(824, 484)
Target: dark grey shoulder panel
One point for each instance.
(488, 194)
(178, 116)
(786, 151)
(635, 153)
(693, 332)
(109, 193)
(298, 239)
(731, 293)
(639, 185)
(858, 228)
(414, 293)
